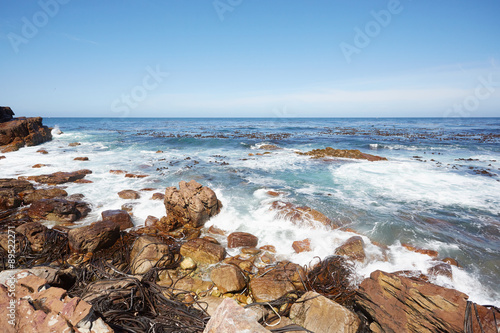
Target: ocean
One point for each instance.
(438, 190)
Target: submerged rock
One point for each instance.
(192, 204)
(301, 215)
(344, 153)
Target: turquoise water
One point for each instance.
(438, 190)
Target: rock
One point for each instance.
(216, 231)
(148, 252)
(21, 132)
(128, 207)
(399, 304)
(239, 239)
(284, 277)
(129, 194)
(42, 151)
(209, 304)
(103, 288)
(443, 269)
(228, 278)
(10, 190)
(60, 177)
(131, 175)
(184, 283)
(84, 158)
(451, 261)
(192, 204)
(118, 216)
(74, 144)
(36, 234)
(252, 251)
(309, 311)
(302, 216)
(412, 248)
(51, 275)
(229, 317)
(117, 172)
(6, 114)
(344, 153)
(269, 147)
(98, 235)
(211, 239)
(203, 251)
(187, 264)
(302, 246)
(2, 157)
(158, 196)
(37, 166)
(353, 248)
(150, 221)
(31, 196)
(269, 248)
(59, 210)
(273, 193)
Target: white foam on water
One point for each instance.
(416, 182)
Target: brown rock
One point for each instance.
(302, 246)
(216, 231)
(148, 252)
(158, 196)
(269, 248)
(309, 311)
(228, 278)
(21, 132)
(192, 204)
(400, 304)
(118, 216)
(451, 261)
(132, 175)
(74, 144)
(37, 166)
(129, 194)
(412, 248)
(98, 235)
(284, 277)
(239, 239)
(60, 177)
(232, 318)
(269, 147)
(36, 234)
(203, 251)
(302, 216)
(353, 248)
(443, 269)
(117, 172)
(10, 190)
(150, 221)
(273, 193)
(344, 153)
(31, 196)
(2, 157)
(42, 151)
(60, 210)
(6, 114)
(84, 158)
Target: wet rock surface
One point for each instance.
(301, 215)
(59, 210)
(16, 133)
(343, 153)
(60, 177)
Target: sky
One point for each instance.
(250, 58)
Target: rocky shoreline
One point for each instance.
(174, 274)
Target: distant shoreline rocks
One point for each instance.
(16, 133)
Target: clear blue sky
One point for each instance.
(250, 58)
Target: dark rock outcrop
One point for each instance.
(20, 132)
(6, 114)
(118, 216)
(90, 238)
(192, 205)
(60, 177)
(60, 210)
(344, 153)
(395, 303)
